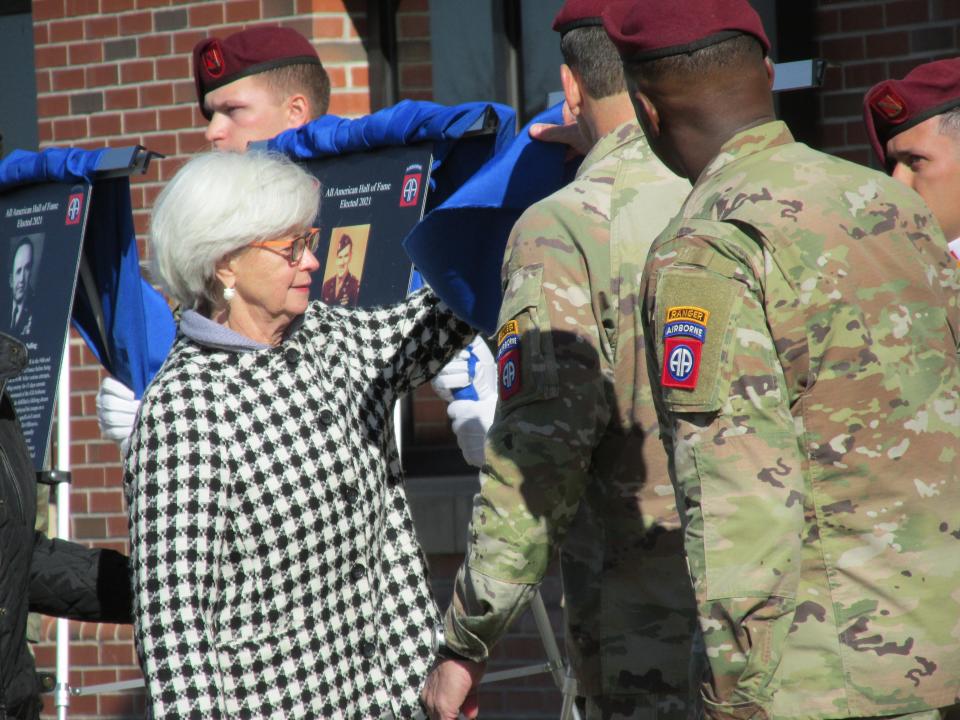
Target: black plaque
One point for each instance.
(41, 235)
(369, 202)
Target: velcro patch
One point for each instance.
(511, 327)
(684, 334)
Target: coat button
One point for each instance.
(326, 417)
(351, 494)
(367, 649)
(357, 572)
(291, 355)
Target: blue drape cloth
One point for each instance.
(459, 245)
(138, 325)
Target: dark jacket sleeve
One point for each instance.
(72, 581)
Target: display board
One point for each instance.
(41, 236)
(369, 202)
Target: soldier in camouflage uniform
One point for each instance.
(574, 442)
(801, 319)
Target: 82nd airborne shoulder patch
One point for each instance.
(684, 333)
(508, 360)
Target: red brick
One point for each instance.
(170, 166)
(243, 10)
(413, 51)
(413, 26)
(66, 30)
(206, 14)
(416, 76)
(89, 527)
(135, 23)
(87, 477)
(45, 131)
(105, 451)
(115, 6)
(138, 71)
(128, 704)
(152, 3)
(117, 525)
(69, 129)
(360, 76)
(85, 429)
(842, 49)
(41, 34)
(864, 74)
(191, 142)
(85, 53)
(857, 133)
(888, 44)
(328, 27)
(47, 10)
(113, 476)
(44, 83)
(865, 17)
(110, 501)
(51, 56)
(151, 45)
(82, 7)
(405, 6)
(98, 677)
(905, 12)
(154, 95)
(176, 118)
(120, 98)
(349, 104)
(163, 144)
(101, 75)
(175, 68)
(186, 93)
(338, 76)
(184, 41)
(100, 27)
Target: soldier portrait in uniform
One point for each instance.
(23, 259)
(344, 268)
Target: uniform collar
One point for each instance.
(621, 135)
(748, 142)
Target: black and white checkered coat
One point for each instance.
(276, 569)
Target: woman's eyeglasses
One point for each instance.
(292, 249)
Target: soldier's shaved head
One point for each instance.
(589, 52)
(690, 103)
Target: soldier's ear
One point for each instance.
(298, 111)
(771, 72)
(647, 113)
(571, 90)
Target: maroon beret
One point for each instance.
(217, 62)
(579, 13)
(651, 29)
(892, 106)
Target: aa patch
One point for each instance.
(684, 333)
(508, 360)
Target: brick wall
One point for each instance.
(869, 41)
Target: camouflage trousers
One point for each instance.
(635, 707)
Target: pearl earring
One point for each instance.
(229, 294)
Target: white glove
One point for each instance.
(473, 367)
(116, 412)
(471, 419)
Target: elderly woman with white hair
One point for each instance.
(276, 567)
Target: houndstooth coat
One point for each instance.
(276, 569)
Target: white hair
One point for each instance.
(217, 203)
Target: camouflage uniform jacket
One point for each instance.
(802, 318)
(576, 423)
